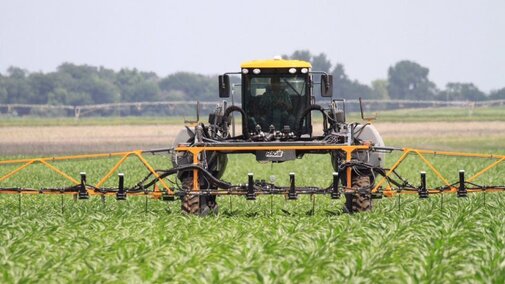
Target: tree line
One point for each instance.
(73, 84)
(407, 80)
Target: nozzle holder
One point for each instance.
(423, 191)
(335, 193)
(250, 194)
(167, 197)
(462, 192)
(121, 193)
(83, 192)
(292, 195)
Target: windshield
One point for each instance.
(275, 99)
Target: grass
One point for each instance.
(55, 239)
(424, 241)
(476, 144)
(402, 115)
(441, 114)
(443, 239)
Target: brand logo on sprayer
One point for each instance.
(274, 154)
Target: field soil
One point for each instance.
(45, 140)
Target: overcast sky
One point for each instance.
(459, 41)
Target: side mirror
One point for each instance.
(224, 86)
(327, 85)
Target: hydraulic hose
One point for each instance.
(165, 173)
(231, 109)
(306, 112)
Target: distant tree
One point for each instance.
(79, 98)
(77, 72)
(17, 87)
(497, 94)
(409, 80)
(106, 74)
(340, 82)
(319, 62)
(102, 91)
(461, 92)
(304, 55)
(16, 73)
(172, 95)
(126, 80)
(343, 87)
(149, 76)
(145, 91)
(41, 85)
(58, 96)
(3, 91)
(87, 84)
(73, 84)
(380, 89)
(194, 86)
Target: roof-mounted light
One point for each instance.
(245, 71)
(256, 71)
(305, 70)
(292, 70)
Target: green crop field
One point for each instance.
(46, 239)
(423, 241)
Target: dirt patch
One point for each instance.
(84, 139)
(93, 139)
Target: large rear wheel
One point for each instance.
(359, 198)
(194, 204)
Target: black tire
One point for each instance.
(361, 202)
(192, 204)
(359, 199)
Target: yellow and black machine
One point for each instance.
(277, 102)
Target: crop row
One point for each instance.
(433, 240)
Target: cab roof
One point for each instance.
(276, 63)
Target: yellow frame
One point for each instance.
(197, 150)
(45, 161)
(406, 151)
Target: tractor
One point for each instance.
(277, 103)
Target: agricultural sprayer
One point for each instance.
(276, 126)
